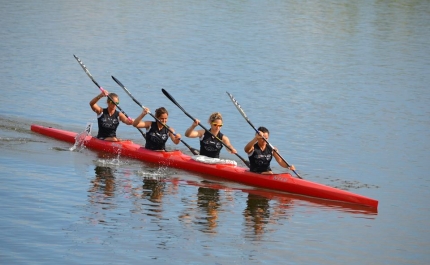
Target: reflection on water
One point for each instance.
(256, 212)
(208, 201)
(261, 211)
(283, 208)
(152, 189)
(104, 181)
(100, 194)
(201, 210)
(264, 210)
(121, 197)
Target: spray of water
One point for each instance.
(80, 138)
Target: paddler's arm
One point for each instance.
(280, 161)
(227, 143)
(138, 123)
(176, 137)
(93, 103)
(191, 133)
(124, 119)
(249, 147)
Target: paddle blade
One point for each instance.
(241, 111)
(118, 82)
(237, 105)
(169, 97)
(88, 72)
(195, 151)
(177, 104)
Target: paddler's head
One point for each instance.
(215, 120)
(162, 114)
(115, 99)
(265, 133)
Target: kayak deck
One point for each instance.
(280, 182)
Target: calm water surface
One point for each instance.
(341, 85)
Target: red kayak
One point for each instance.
(281, 182)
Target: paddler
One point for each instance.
(108, 118)
(209, 145)
(260, 153)
(156, 133)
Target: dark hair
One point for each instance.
(263, 129)
(160, 111)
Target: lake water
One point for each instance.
(341, 85)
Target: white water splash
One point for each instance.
(80, 138)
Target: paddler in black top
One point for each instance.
(260, 153)
(156, 133)
(209, 145)
(108, 119)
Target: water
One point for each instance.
(341, 85)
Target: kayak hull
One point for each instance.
(280, 182)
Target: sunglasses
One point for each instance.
(114, 102)
(217, 125)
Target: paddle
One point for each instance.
(94, 81)
(193, 150)
(186, 113)
(250, 123)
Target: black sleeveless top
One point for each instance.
(156, 139)
(260, 160)
(107, 124)
(210, 146)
